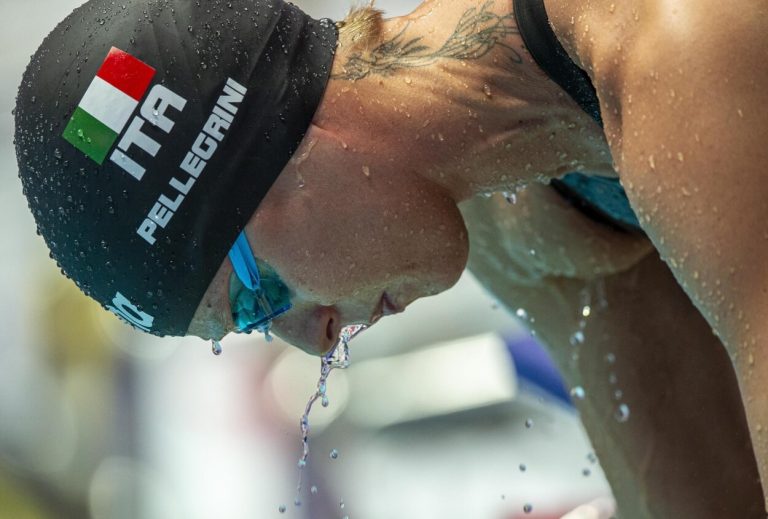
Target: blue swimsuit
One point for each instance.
(601, 198)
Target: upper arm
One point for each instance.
(692, 151)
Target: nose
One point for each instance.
(327, 328)
(313, 330)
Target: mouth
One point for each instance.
(390, 308)
(385, 307)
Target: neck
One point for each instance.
(449, 93)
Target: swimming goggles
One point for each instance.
(256, 293)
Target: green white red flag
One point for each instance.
(108, 104)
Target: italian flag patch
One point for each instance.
(108, 103)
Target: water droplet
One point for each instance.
(577, 338)
(586, 472)
(578, 393)
(302, 464)
(529, 423)
(487, 90)
(522, 467)
(610, 358)
(521, 313)
(622, 413)
(586, 310)
(325, 402)
(215, 347)
(342, 504)
(57, 153)
(281, 509)
(528, 508)
(592, 458)
(313, 490)
(503, 497)
(297, 502)
(618, 394)
(366, 171)
(334, 454)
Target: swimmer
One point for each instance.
(244, 167)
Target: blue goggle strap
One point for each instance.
(244, 263)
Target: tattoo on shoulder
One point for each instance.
(476, 33)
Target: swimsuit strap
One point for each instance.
(549, 54)
(601, 198)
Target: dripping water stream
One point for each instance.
(337, 358)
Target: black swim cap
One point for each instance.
(148, 132)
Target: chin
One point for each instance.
(456, 265)
(438, 282)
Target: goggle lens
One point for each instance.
(254, 308)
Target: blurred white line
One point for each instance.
(449, 377)
(602, 508)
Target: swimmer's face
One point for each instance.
(353, 236)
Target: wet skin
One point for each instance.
(649, 343)
(403, 137)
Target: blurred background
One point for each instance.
(448, 411)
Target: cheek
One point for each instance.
(316, 256)
(420, 241)
(443, 248)
(347, 248)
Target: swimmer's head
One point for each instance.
(353, 232)
(212, 105)
(148, 134)
(351, 225)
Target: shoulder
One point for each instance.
(689, 83)
(697, 39)
(657, 55)
(687, 122)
